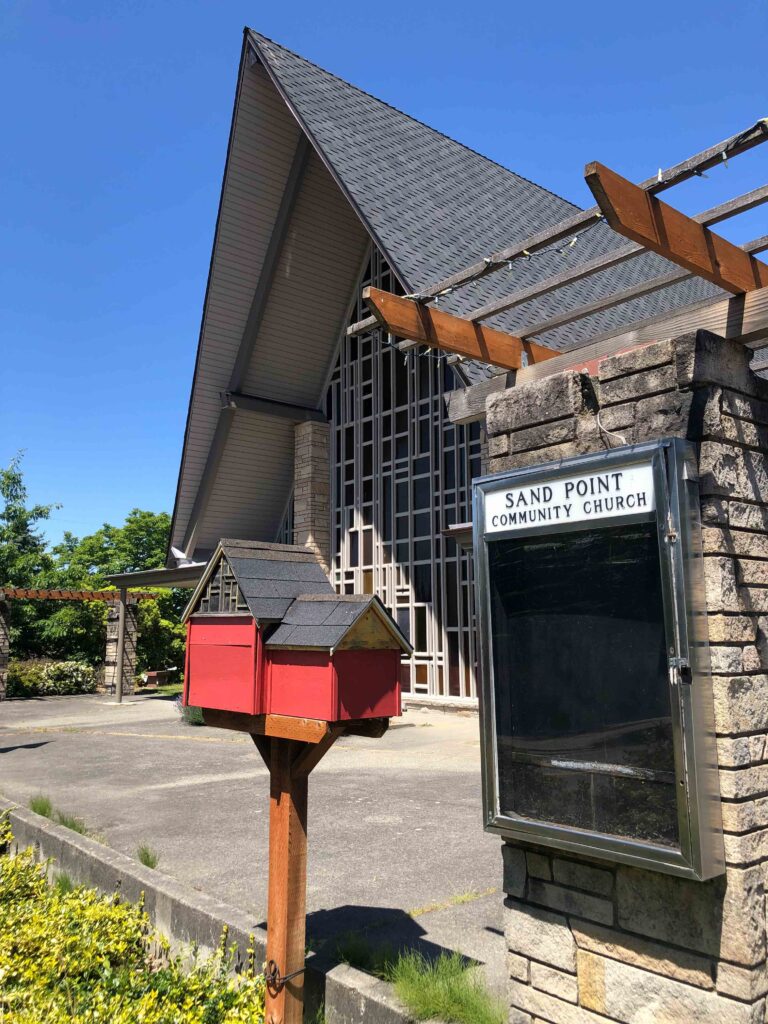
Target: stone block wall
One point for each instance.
(129, 650)
(590, 941)
(312, 489)
(5, 645)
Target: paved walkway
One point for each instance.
(396, 846)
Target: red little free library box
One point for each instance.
(268, 635)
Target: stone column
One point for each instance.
(591, 942)
(312, 489)
(5, 645)
(129, 652)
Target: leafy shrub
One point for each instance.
(25, 678)
(40, 678)
(69, 677)
(72, 955)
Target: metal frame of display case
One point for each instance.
(700, 851)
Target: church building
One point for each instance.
(302, 433)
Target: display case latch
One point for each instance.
(682, 669)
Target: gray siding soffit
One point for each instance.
(205, 487)
(172, 539)
(271, 259)
(245, 351)
(262, 145)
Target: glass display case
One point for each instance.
(597, 710)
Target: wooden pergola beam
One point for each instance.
(30, 594)
(642, 217)
(436, 329)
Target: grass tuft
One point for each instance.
(147, 856)
(41, 804)
(447, 988)
(71, 822)
(64, 883)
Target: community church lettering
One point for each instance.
(575, 499)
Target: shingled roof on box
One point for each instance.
(317, 621)
(285, 585)
(269, 576)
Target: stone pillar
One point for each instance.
(591, 942)
(129, 652)
(5, 645)
(312, 489)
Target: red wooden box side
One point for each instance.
(221, 664)
(368, 683)
(302, 684)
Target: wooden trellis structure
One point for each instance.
(110, 596)
(633, 211)
(120, 597)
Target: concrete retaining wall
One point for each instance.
(350, 996)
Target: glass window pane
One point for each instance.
(580, 742)
(423, 492)
(420, 630)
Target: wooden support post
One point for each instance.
(290, 761)
(286, 901)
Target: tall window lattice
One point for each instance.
(401, 474)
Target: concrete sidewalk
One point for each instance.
(396, 846)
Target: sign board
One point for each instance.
(581, 497)
(597, 709)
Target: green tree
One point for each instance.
(75, 630)
(24, 558)
(141, 543)
(23, 555)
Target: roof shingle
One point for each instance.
(435, 206)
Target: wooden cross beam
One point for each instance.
(636, 214)
(436, 329)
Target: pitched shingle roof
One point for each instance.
(271, 576)
(319, 622)
(285, 585)
(434, 206)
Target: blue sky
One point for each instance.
(115, 126)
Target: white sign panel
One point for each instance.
(571, 499)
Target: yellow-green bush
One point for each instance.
(77, 957)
